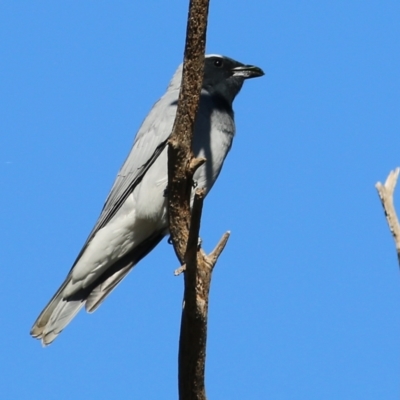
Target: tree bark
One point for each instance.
(386, 193)
(184, 223)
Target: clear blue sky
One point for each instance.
(305, 299)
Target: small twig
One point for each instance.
(196, 163)
(179, 270)
(214, 255)
(386, 193)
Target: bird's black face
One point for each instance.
(225, 77)
(217, 69)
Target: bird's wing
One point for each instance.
(149, 143)
(150, 140)
(108, 281)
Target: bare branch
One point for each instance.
(213, 256)
(180, 142)
(195, 163)
(184, 225)
(179, 270)
(386, 193)
(193, 239)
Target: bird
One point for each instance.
(134, 217)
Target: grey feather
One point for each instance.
(134, 217)
(121, 268)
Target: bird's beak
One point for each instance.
(248, 71)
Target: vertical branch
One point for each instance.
(184, 225)
(180, 143)
(386, 193)
(180, 177)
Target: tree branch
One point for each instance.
(386, 193)
(184, 224)
(180, 143)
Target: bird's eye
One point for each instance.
(218, 62)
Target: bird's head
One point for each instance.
(225, 76)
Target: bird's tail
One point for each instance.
(55, 316)
(61, 310)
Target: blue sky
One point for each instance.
(305, 298)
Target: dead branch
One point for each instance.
(386, 193)
(184, 224)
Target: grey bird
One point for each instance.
(134, 217)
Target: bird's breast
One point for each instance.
(212, 140)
